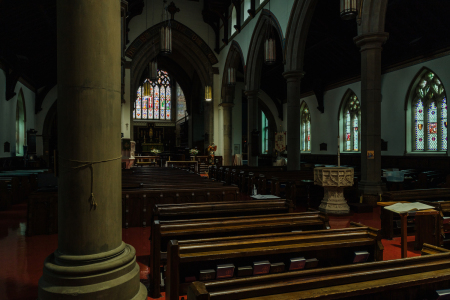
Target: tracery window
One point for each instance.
(247, 7)
(429, 110)
(20, 124)
(154, 101)
(305, 128)
(352, 121)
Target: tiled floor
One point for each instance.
(21, 257)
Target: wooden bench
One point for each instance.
(389, 220)
(166, 212)
(334, 247)
(164, 231)
(402, 279)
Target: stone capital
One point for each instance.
(226, 104)
(371, 40)
(293, 74)
(251, 93)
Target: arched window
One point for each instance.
(429, 114)
(153, 101)
(233, 20)
(20, 124)
(247, 7)
(351, 116)
(265, 134)
(305, 128)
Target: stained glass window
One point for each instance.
(305, 128)
(181, 103)
(352, 121)
(153, 101)
(430, 115)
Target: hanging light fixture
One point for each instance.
(351, 9)
(270, 55)
(166, 32)
(153, 70)
(231, 78)
(208, 93)
(146, 92)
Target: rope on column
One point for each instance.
(90, 164)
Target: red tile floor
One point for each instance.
(22, 257)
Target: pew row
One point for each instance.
(185, 259)
(407, 278)
(166, 212)
(162, 232)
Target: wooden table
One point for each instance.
(403, 218)
(149, 159)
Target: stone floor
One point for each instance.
(22, 257)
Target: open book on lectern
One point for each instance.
(406, 207)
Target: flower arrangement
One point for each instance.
(155, 151)
(193, 152)
(212, 148)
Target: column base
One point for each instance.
(90, 277)
(371, 191)
(333, 202)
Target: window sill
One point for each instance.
(426, 153)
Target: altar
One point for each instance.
(148, 147)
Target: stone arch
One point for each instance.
(373, 16)
(189, 52)
(235, 59)
(185, 42)
(297, 32)
(256, 49)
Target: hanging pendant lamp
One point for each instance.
(208, 93)
(231, 78)
(270, 55)
(153, 70)
(349, 9)
(166, 39)
(166, 32)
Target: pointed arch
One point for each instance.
(373, 16)
(426, 113)
(256, 49)
(349, 119)
(21, 120)
(305, 129)
(235, 59)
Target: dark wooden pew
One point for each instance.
(166, 212)
(390, 226)
(164, 231)
(403, 279)
(333, 247)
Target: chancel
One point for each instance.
(224, 149)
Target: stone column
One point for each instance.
(293, 79)
(91, 261)
(371, 47)
(227, 134)
(252, 119)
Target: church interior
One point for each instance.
(224, 149)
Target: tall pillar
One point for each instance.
(252, 119)
(227, 126)
(371, 47)
(293, 79)
(92, 261)
(227, 134)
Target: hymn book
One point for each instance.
(406, 207)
